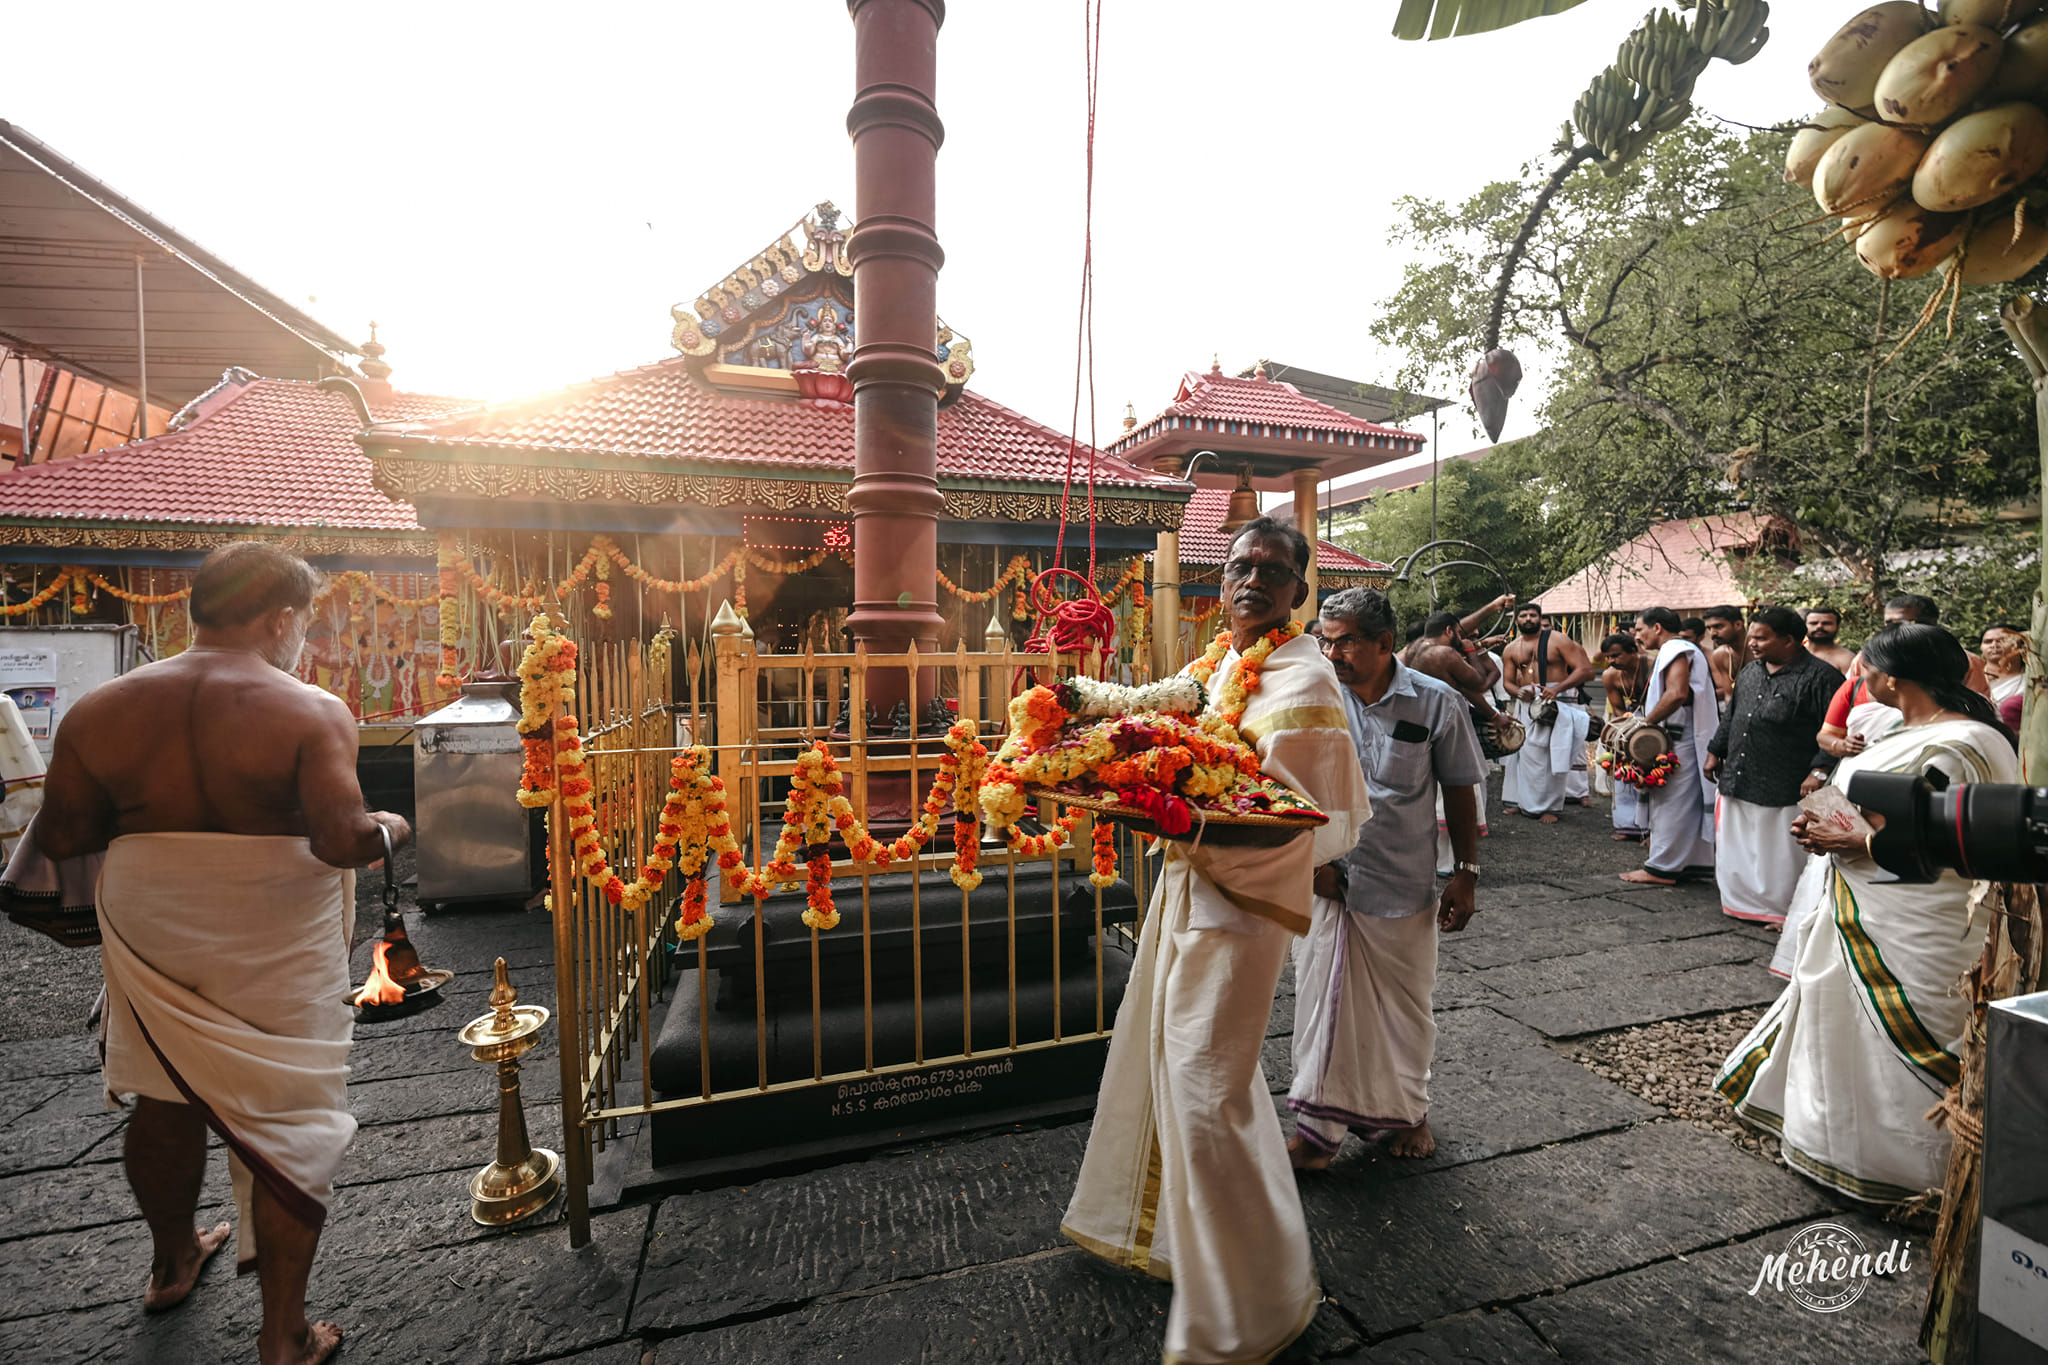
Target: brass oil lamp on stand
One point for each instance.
(524, 1178)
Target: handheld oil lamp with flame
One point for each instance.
(398, 984)
(524, 1178)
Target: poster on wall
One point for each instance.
(29, 676)
(38, 706)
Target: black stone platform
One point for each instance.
(1028, 977)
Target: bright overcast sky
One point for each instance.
(519, 193)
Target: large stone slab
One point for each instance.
(73, 1197)
(1704, 1301)
(518, 1297)
(1066, 1307)
(94, 1267)
(61, 1056)
(1497, 1087)
(1627, 1002)
(936, 1207)
(1459, 988)
(1601, 969)
(1497, 1338)
(1604, 924)
(1405, 1252)
(19, 1097)
(423, 1211)
(410, 1099)
(41, 1140)
(455, 1142)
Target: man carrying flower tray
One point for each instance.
(1186, 1176)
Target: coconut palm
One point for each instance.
(1449, 18)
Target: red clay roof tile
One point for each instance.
(659, 412)
(1202, 540)
(265, 452)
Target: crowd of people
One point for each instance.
(1187, 1174)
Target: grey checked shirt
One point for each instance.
(1416, 738)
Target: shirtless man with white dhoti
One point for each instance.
(1186, 1176)
(1545, 668)
(224, 793)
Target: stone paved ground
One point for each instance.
(1564, 1217)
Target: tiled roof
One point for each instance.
(1202, 540)
(659, 412)
(258, 452)
(1233, 405)
(1683, 565)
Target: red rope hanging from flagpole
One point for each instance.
(1080, 624)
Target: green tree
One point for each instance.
(1709, 350)
(1496, 505)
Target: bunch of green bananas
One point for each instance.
(1732, 30)
(1662, 55)
(1605, 114)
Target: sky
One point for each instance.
(518, 193)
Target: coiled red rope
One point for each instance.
(1076, 625)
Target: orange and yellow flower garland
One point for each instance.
(1244, 679)
(451, 623)
(695, 822)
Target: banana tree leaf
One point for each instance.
(1451, 18)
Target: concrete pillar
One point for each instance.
(894, 248)
(1305, 481)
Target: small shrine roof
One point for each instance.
(1202, 540)
(660, 412)
(251, 452)
(1232, 405)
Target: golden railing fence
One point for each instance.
(993, 1002)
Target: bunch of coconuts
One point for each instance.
(1934, 133)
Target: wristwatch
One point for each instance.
(1473, 868)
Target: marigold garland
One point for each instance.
(696, 824)
(1244, 679)
(451, 623)
(41, 599)
(1104, 874)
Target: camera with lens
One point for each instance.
(1986, 831)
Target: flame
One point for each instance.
(381, 988)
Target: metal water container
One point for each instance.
(475, 839)
(2012, 1275)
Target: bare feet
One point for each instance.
(321, 1340)
(1546, 819)
(1304, 1155)
(170, 1284)
(1644, 877)
(1621, 838)
(1415, 1143)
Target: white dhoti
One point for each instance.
(1756, 863)
(1186, 1176)
(1363, 1032)
(1540, 772)
(1868, 1035)
(1681, 828)
(1806, 898)
(226, 959)
(1680, 814)
(1628, 811)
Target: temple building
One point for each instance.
(1247, 434)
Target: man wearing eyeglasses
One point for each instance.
(1186, 1176)
(1363, 1033)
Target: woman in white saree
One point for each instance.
(1845, 1065)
